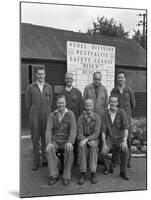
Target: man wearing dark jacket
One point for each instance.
(126, 100)
(60, 135)
(74, 103)
(115, 128)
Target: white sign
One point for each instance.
(84, 59)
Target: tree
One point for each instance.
(103, 26)
(140, 38)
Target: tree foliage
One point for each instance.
(108, 27)
(140, 38)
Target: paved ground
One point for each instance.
(35, 183)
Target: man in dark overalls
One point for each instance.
(38, 101)
(114, 137)
(126, 101)
(75, 103)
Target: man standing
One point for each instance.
(60, 134)
(38, 101)
(74, 103)
(98, 93)
(88, 131)
(114, 136)
(126, 101)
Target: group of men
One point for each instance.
(81, 128)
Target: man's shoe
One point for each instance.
(52, 181)
(93, 178)
(66, 181)
(81, 179)
(44, 164)
(105, 172)
(124, 176)
(129, 165)
(35, 166)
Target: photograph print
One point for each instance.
(83, 74)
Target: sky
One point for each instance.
(77, 18)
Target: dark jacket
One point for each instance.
(115, 130)
(63, 131)
(88, 129)
(74, 101)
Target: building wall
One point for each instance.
(55, 71)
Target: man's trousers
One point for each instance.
(88, 152)
(123, 157)
(54, 162)
(38, 128)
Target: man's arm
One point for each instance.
(73, 128)
(49, 129)
(81, 103)
(51, 96)
(106, 99)
(80, 135)
(85, 96)
(105, 148)
(132, 100)
(28, 98)
(125, 128)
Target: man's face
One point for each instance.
(121, 79)
(89, 106)
(68, 80)
(97, 79)
(113, 101)
(40, 75)
(61, 104)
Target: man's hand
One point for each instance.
(48, 147)
(124, 146)
(68, 146)
(105, 149)
(83, 142)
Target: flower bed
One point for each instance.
(139, 135)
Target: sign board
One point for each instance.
(84, 59)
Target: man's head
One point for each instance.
(113, 101)
(97, 77)
(89, 106)
(40, 74)
(61, 103)
(121, 78)
(68, 79)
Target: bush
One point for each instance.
(139, 130)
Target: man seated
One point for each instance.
(88, 131)
(60, 134)
(114, 136)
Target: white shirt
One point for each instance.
(68, 89)
(61, 116)
(112, 115)
(40, 85)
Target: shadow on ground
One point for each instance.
(34, 183)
